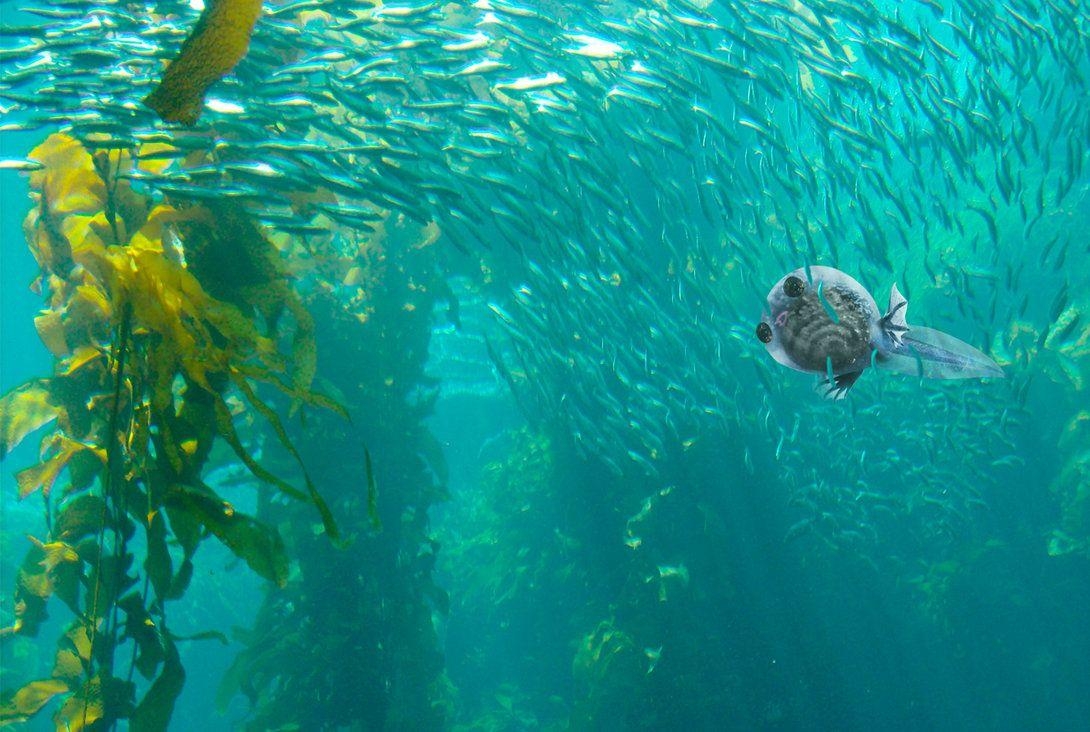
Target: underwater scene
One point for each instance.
(535, 365)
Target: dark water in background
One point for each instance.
(660, 528)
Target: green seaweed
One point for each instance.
(361, 613)
(152, 370)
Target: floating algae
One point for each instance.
(218, 42)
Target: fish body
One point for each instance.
(820, 320)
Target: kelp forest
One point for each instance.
(171, 360)
(403, 366)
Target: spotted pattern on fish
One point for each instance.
(810, 336)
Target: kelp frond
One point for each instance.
(218, 42)
(157, 358)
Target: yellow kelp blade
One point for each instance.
(68, 180)
(28, 700)
(74, 654)
(23, 410)
(82, 709)
(54, 553)
(44, 474)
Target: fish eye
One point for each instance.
(793, 286)
(764, 333)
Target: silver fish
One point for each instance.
(821, 321)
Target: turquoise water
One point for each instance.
(574, 490)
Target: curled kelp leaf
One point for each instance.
(218, 42)
(23, 410)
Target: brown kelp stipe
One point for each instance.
(218, 42)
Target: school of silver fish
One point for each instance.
(648, 168)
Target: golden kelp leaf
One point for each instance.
(315, 399)
(217, 43)
(51, 331)
(187, 531)
(103, 229)
(28, 701)
(150, 235)
(69, 181)
(258, 544)
(68, 665)
(95, 301)
(73, 653)
(235, 260)
(130, 206)
(185, 527)
(139, 431)
(82, 709)
(23, 410)
(80, 357)
(32, 478)
(162, 389)
(44, 474)
(170, 301)
(163, 301)
(84, 234)
(230, 321)
(54, 553)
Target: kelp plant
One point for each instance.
(217, 43)
(363, 616)
(158, 356)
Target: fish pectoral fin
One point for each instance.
(839, 385)
(893, 323)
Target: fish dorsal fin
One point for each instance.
(893, 322)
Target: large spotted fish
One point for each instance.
(822, 321)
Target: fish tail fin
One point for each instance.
(930, 353)
(893, 323)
